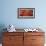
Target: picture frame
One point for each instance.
(26, 13)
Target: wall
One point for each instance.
(8, 13)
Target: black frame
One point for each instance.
(26, 17)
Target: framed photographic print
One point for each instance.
(26, 13)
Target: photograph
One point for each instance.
(26, 12)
